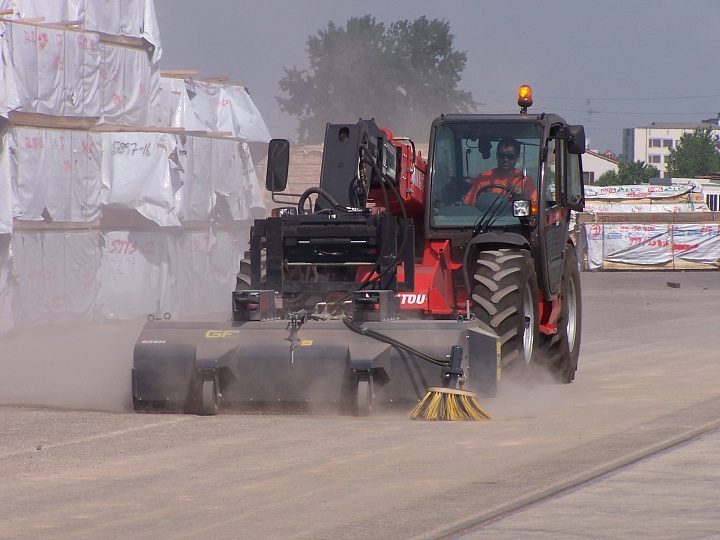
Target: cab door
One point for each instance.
(554, 225)
(563, 191)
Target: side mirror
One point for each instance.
(277, 166)
(576, 139)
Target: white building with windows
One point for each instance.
(595, 164)
(652, 144)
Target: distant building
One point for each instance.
(652, 144)
(596, 163)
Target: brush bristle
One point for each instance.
(448, 404)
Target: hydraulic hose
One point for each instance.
(386, 179)
(395, 343)
(325, 195)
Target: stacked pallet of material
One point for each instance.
(649, 228)
(119, 196)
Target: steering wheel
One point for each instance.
(503, 189)
(500, 199)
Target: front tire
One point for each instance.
(243, 281)
(505, 298)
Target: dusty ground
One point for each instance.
(89, 468)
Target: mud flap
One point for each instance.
(483, 362)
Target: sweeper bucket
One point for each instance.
(203, 367)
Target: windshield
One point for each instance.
(479, 168)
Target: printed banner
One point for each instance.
(651, 244)
(698, 242)
(600, 207)
(642, 191)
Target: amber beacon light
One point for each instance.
(524, 97)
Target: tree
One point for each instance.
(635, 172)
(696, 155)
(402, 76)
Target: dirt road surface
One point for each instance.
(75, 462)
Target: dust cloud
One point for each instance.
(87, 366)
(531, 395)
(83, 366)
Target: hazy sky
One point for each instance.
(608, 64)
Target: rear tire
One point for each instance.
(561, 351)
(505, 298)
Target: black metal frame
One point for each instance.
(331, 242)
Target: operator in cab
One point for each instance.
(505, 178)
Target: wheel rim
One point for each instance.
(528, 338)
(571, 302)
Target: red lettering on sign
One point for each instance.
(88, 146)
(685, 247)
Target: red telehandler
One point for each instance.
(386, 279)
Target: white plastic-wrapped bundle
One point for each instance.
(207, 106)
(136, 275)
(7, 319)
(8, 179)
(57, 175)
(131, 18)
(56, 71)
(57, 276)
(136, 175)
(127, 83)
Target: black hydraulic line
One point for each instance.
(386, 200)
(325, 195)
(389, 180)
(395, 343)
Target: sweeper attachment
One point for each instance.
(396, 280)
(302, 358)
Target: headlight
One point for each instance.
(521, 208)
